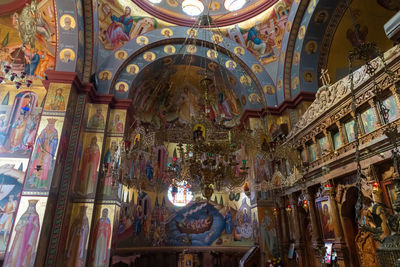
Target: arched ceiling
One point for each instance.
(255, 83)
(171, 11)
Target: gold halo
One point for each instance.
(126, 87)
(238, 50)
(227, 63)
(173, 49)
(62, 21)
(142, 40)
(209, 54)
(72, 57)
(192, 32)
(130, 66)
(117, 53)
(153, 56)
(102, 73)
(167, 29)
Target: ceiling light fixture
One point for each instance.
(233, 5)
(155, 1)
(192, 7)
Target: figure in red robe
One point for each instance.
(90, 162)
(102, 234)
(43, 156)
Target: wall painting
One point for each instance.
(368, 120)
(326, 219)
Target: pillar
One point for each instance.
(284, 230)
(341, 133)
(298, 227)
(317, 240)
(107, 202)
(55, 144)
(396, 96)
(339, 244)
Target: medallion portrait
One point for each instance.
(105, 75)
(169, 49)
(142, 40)
(67, 55)
(121, 55)
(132, 69)
(149, 56)
(167, 32)
(67, 22)
(121, 87)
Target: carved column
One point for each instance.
(396, 96)
(317, 240)
(284, 229)
(329, 140)
(298, 228)
(340, 243)
(317, 148)
(341, 133)
(376, 112)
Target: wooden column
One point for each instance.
(341, 133)
(396, 96)
(339, 244)
(298, 227)
(317, 240)
(284, 230)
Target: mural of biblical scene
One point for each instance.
(368, 120)
(12, 173)
(57, 97)
(116, 121)
(90, 164)
(110, 161)
(40, 171)
(390, 104)
(337, 141)
(262, 169)
(312, 151)
(97, 116)
(323, 145)
(76, 249)
(28, 223)
(34, 61)
(101, 243)
(269, 233)
(326, 219)
(162, 219)
(263, 38)
(176, 101)
(19, 119)
(118, 24)
(350, 134)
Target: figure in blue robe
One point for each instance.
(31, 67)
(228, 223)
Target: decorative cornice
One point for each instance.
(328, 97)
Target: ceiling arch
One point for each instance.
(138, 52)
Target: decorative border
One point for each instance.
(65, 183)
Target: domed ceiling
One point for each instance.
(171, 10)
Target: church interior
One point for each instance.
(197, 133)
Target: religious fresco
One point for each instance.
(337, 140)
(323, 144)
(90, 164)
(57, 97)
(79, 230)
(116, 121)
(312, 152)
(326, 219)
(102, 230)
(163, 103)
(97, 116)
(268, 233)
(264, 38)
(42, 161)
(368, 120)
(350, 134)
(32, 60)
(28, 224)
(149, 219)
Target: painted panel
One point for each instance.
(326, 219)
(368, 120)
(350, 134)
(390, 104)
